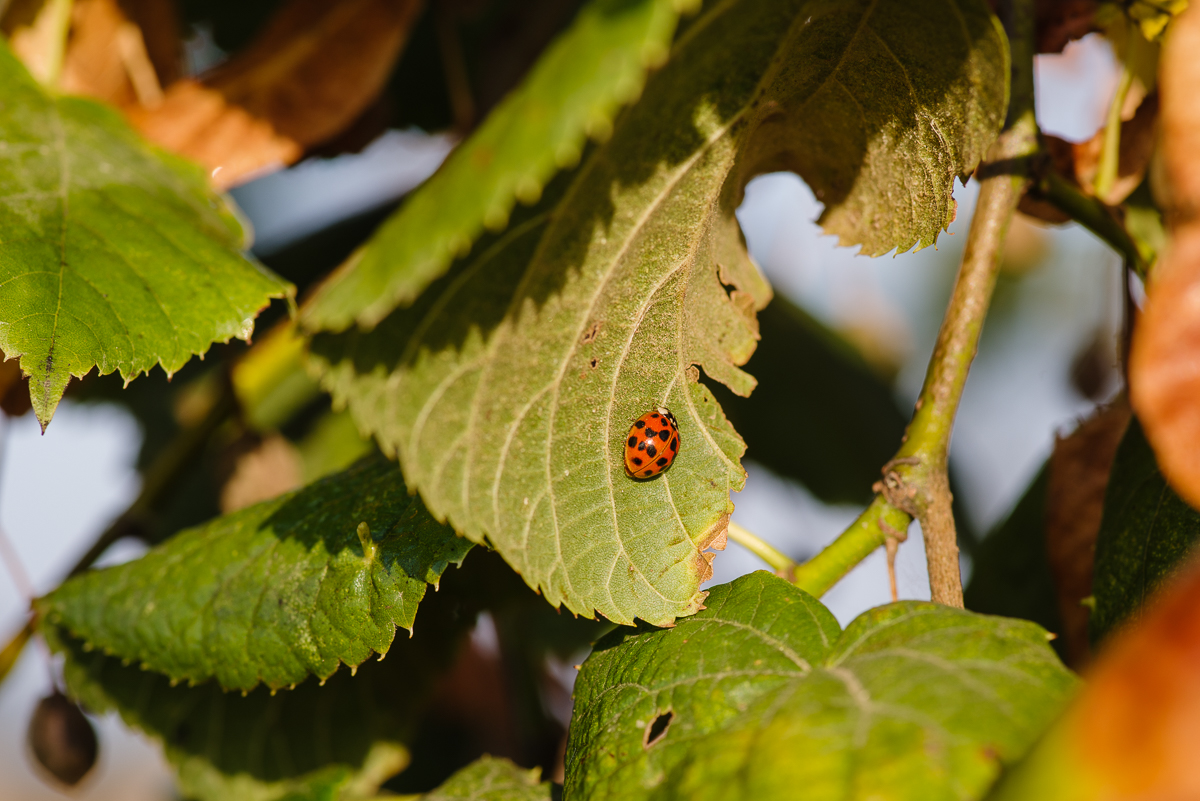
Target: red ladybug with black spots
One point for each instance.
(652, 444)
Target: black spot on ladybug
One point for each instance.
(651, 451)
(675, 444)
(662, 462)
(640, 424)
(632, 441)
(664, 435)
(654, 415)
(648, 473)
(637, 461)
(641, 446)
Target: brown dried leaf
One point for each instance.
(199, 123)
(14, 388)
(1137, 724)
(1180, 86)
(1079, 470)
(1131, 734)
(1165, 364)
(268, 471)
(105, 51)
(1079, 162)
(318, 65)
(1138, 136)
(1165, 358)
(158, 21)
(1058, 22)
(310, 74)
(1061, 21)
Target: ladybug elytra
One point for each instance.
(652, 444)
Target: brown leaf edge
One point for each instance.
(1079, 470)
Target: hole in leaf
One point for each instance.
(658, 728)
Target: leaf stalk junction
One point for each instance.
(915, 483)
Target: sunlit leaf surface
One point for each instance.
(111, 255)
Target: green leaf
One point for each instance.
(492, 779)
(878, 105)
(1145, 533)
(507, 391)
(114, 256)
(272, 593)
(598, 65)
(819, 414)
(760, 695)
(322, 740)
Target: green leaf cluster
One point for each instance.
(492, 779)
(274, 593)
(762, 693)
(508, 387)
(575, 263)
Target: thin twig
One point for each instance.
(892, 544)
(1110, 145)
(853, 545)
(1094, 215)
(779, 562)
(161, 476)
(915, 482)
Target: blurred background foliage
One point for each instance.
(844, 348)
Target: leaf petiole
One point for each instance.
(778, 561)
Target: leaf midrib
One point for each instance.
(60, 145)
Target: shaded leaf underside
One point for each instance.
(508, 388)
(323, 739)
(597, 66)
(273, 593)
(761, 694)
(304, 743)
(111, 256)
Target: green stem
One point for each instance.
(1094, 215)
(1110, 148)
(162, 475)
(855, 544)
(916, 484)
(778, 561)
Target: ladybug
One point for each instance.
(652, 444)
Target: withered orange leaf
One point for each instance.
(1079, 470)
(1131, 734)
(314, 69)
(1165, 359)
